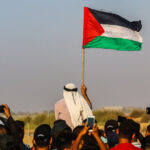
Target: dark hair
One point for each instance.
(77, 130)
(21, 124)
(148, 128)
(101, 132)
(135, 127)
(63, 140)
(145, 142)
(90, 142)
(126, 130)
(113, 140)
(91, 147)
(59, 126)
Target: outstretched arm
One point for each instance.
(12, 127)
(83, 90)
(98, 139)
(79, 137)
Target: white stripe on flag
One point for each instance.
(115, 31)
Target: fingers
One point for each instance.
(6, 110)
(95, 126)
(83, 86)
(85, 125)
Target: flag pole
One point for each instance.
(83, 64)
(83, 87)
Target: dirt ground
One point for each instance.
(28, 137)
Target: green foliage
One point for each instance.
(35, 120)
(26, 119)
(39, 119)
(103, 116)
(50, 119)
(136, 113)
(145, 118)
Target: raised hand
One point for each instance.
(6, 111)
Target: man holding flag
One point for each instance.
(109, 31)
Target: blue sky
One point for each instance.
(40, 52)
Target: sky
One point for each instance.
(41, 51)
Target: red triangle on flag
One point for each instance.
(92, 28)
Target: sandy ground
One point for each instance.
(28, 137)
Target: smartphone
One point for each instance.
(148, 110)
(121, 118)
(1, 109)
(90, 122)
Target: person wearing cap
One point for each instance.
(73, 108)
(111, 126)
(42, 137)
(126, 134)
(111, 131)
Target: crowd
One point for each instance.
(71, 135)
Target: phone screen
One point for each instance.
(90, 122)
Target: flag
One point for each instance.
(110, 31)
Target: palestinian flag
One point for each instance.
(110, 31)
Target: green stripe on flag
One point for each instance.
(114, 43)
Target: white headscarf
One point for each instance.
(77, 105)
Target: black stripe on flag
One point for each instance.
(114, 19)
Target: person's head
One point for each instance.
(20, 125)
(110, 127)
(136, 129)
(70, 91)
(42, 136)
(146, 143)
(147, 131)
(77, 130)
(58, 129)
(70, 87)
(59, 126)
(63, 140)
(6, 142)
(112, 139)
(101, 132)
(89, 142)
(126, 131)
